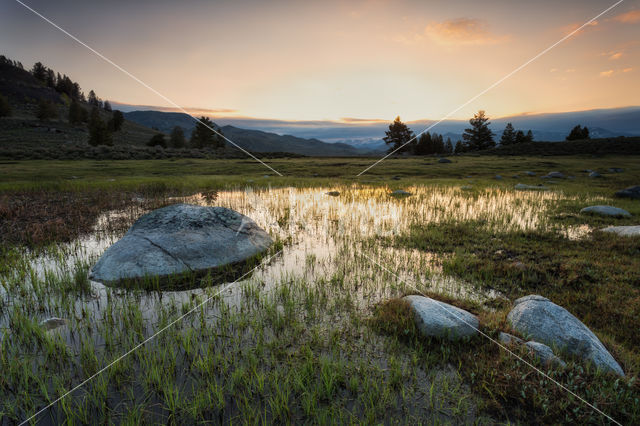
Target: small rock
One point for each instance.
(466, 187)
(52, 323)
(333, 193)
(554, 175)
(497, 177)
(396, 178)
(630, 192)
(624, 231)
(524, 187)
(595, 175)
(400, 193)
(444, 161)
(530, 173)
(438, 319)
(515, 176)
(509, 339)
(616, 170)
(605, 211)
(519, 266)
(544, 354)
(544, 321)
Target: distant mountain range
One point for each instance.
(251, 140)
(367, 137)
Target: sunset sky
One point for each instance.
(344, 60)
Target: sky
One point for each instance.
(346, 61)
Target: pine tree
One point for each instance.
(448, 147)
(578, 133)
(479, 136)
(520, 137)
(116, 122)
(46, 110)
(177, 139)
(398, 136)
(204, 137)
(508, 135)
(107, 106)
(529, 137)
(98, 132)
(39, 71)
(51, 78)
(93, 99)
(75, 112)
(157, 140)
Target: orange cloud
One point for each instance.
(568, 29)
(630, 17)
(607, 73)
(615, 56)
(627, 70)
(462, 31)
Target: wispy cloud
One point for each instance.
(462, 31)
(615, 56)
(607, 73)
(627, 69)
(630, 17)
(568, 29)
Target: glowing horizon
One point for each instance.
(365, 61)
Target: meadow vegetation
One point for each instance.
(318, 333)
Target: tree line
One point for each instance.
(202, 137)
(475, 138)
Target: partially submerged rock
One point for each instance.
(180, 239)
(52, 323)
(439, 319)
(544, 321)
(606, 211)
(525, 187)
(333, 193)
(624, 231)
(630, 192)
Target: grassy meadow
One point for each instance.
(317, 333)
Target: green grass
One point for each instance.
(318, 335)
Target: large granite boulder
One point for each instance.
(605, 211)
(439, 319)
(630, 192)
(624, 231)
(181, 238)
(542, 320)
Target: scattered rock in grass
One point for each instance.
(525, 187)
(52, 323)
(554, 175)
(519, 266)
(444, 161)
(509, 339)
(630, 192)
(605, 211)
(615, 170)
(438, 319)
(544, 354)
(466, 187)
(400, 193)
(497, 177)
(530, 173)
(595, 175)
(587, 171)
(544, 321)
(332, 193)
(396, 178)
(181, 238)
(515, 176)
(624, 231)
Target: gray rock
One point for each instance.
(595, 175)
(544, 321)
(438, 319)
(544, 354)
(181, 238)
(509, 339)
(630, 192)
(333, 193)
(466, 187)
(616, 170)
(624, 231)
(396, 178)
(444, 161)
(497, 177)
(52, 323)
(530, 173)
(605, 211)
(553, 175)
(524, 187)
(400, 193)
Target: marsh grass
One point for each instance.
(316, 335)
